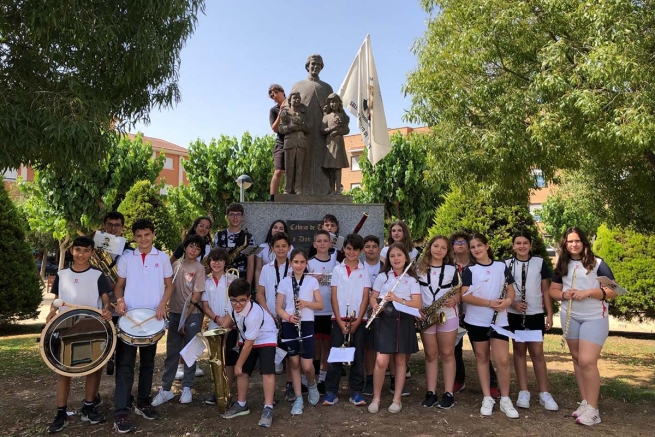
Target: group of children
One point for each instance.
(308, 305)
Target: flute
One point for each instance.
(383, 300)
(565, 329)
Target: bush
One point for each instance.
(144, 201)
(20, 288)
(631, 256)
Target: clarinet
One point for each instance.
(503, 294)
(523, 278)
(296, 302)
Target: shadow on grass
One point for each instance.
(19, 329)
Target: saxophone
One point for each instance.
(237, 250)
(432, 313)
(215, 339)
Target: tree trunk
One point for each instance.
(44, 260)
(650, 157)
(63, 246)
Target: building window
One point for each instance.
(11, 175)
(168, 165)
(539, 178)
(354, 163)
(353, 186)
(164, 190)
(535, 210)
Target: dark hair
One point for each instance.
(459, 234)
(407, 238)
(298, 251)
(234, 207)
(387, 265)
(588, 257)
(269, 236)
(239, 287)
(83, 241)
(280, 236)
(141, 224)
(356, 241)
(372, 238)
(426, 259)
(218, 254)
(523, 233)
(321, 232)
(330, 218)
(196, 222)
(115, 215)
(484, 240)
(274, 88)
(197, 239)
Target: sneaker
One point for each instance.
(487, 407)
(507, 408)
(321, 388)
(187, 396)
(357, 400)
(589, 417)
(91, 415)
(289, 394)
(210, 400)
(279, 369)
(374, 406)
(408, 373)
(495, 392)
(162, 396)
(236, 410)
(581, 409)
(267, 417)
(430, 399)
(459, 387)
(447, 401)
(547, 401)
(314, 396)
(368, 388)
(395, 407)
(60, 422)
(297, 407)
(330, 399)
(97, 401)
(123, 425)
(199, 371)
(523, 401)
(180, 372)
(147, 411)
(392, 387)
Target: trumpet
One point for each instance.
(347, 339)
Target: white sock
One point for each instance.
(268, 406)
(241, 404)
(505, 398)
(322, 375)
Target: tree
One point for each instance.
(401, 182)
(631, 256)
(182, 209)
(212, 170)
(144, 201)
(510, 87)
(576, 202)
(69, 72)
(497, 223)
(20, 288)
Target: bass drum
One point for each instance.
(77, 342)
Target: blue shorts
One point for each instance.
(290, 332)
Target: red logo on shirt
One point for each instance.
(360, 275)
(156, 265)
(76, 280)
(488, 272)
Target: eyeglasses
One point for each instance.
(113, 225)
(459, 243)
(235, 215)
(239, 301)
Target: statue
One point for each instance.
(313, 94)
(335, 126)
(294, 127)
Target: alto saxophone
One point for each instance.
(216, 339)
(432, 314)
(237, 250)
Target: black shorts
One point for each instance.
(289, 331)
(266, 357)
(278, 157)
(534, 322)
(322, 327)
(231, 356)
(481, 333)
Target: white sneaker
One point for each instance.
(487, 406)
(162, 396)
(180, 372)
(547, 401)
(523, 401)
(187, 396)
(279, 368)
(589, 417)
(199, 371)
(507, 408)
(581, 409)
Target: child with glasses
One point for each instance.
(233, 238)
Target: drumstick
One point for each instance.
(127, 316)
(58, 303)
(144, 321)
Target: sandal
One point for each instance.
(395, 407)
(374, 406)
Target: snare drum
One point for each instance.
(138, 327)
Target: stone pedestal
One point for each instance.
(316, 200)
(304, 218)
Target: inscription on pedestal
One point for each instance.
(302, 232)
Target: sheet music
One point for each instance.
(528, 336)
(502, 331)
(341, 355)
(192, 350)
(406, 309)
(337, 241)
(616, 288)
(279, 355)
(461, 332)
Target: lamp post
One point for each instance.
(244, 181)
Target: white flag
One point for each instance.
(361, 96)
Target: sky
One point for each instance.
(240, 48)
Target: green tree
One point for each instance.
(182, 209)
(20, 288)
(144, 201)
(69, 72)
(513, 86)
(212, 170)
(401, 181)
(497, 223)
(631, 256)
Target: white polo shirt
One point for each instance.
(488, 282)
(535, 270)
(413, 253)
(404, 290)
(589, 308)
(144, 278)
(216, 297)
(350, 288)
(321, 267)
(433, 286)
(267, 255)
(306, 292)
(269, 280)
(254, 323)
(80, 288)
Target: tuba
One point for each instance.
(103, 260)
(216, 339)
